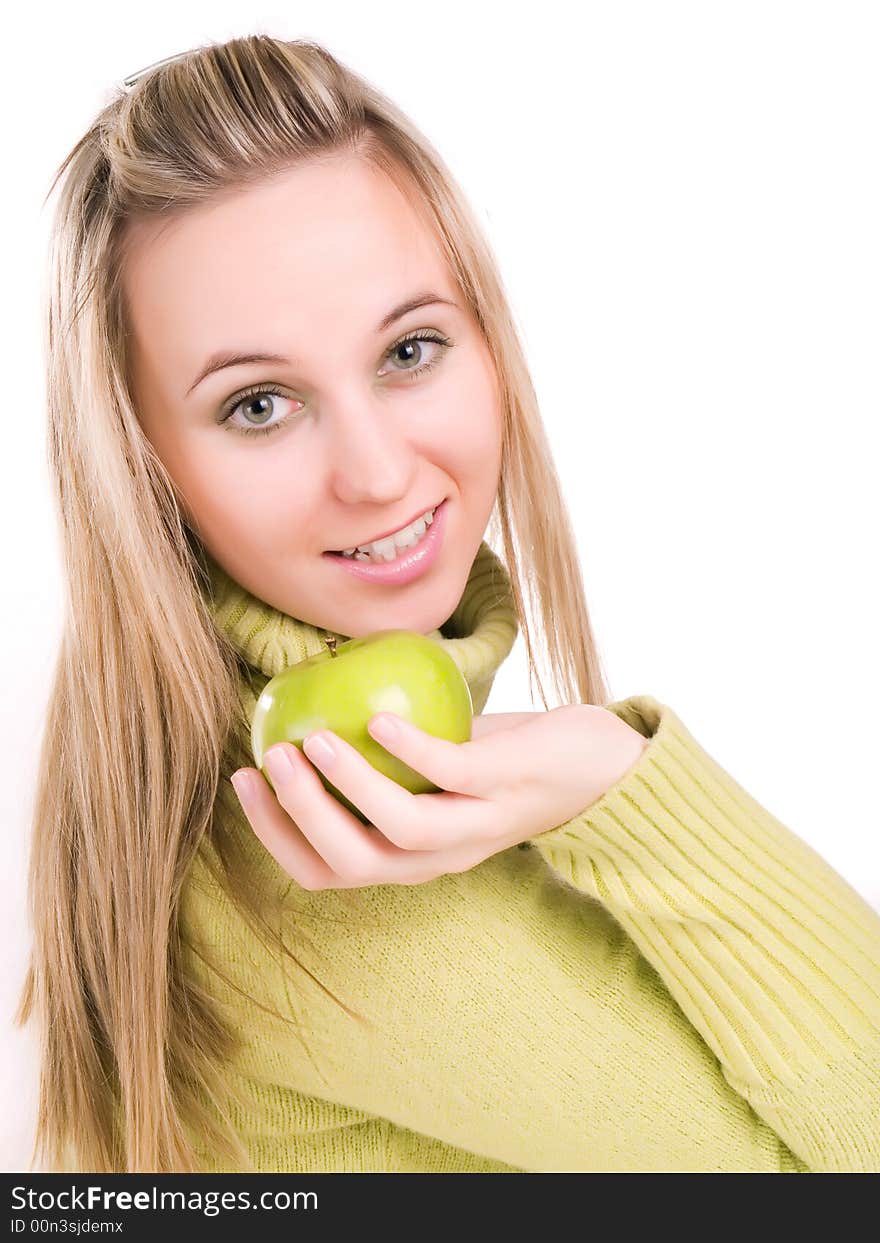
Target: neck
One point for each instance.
(478, 635)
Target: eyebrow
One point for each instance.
(236, 358)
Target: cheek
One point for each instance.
(225, 495)
(472, 421)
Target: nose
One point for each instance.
(371, 458)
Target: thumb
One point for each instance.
(489, 722)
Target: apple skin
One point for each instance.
(399, 671)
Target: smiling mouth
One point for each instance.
(432, 510)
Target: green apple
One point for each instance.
(399, 671)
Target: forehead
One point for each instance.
(323, 245)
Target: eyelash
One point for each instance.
(263, 390)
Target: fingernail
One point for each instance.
(243, 785)
(318, 750)
(279, 763)
(384, 727)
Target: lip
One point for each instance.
(392, 531)
(410, 564)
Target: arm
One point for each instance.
(772, 956)
(500, 1012)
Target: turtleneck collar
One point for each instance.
(478, 635)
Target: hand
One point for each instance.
(521, 774)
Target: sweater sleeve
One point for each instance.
(669, 981)
(772, 956)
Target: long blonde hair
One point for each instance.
(139, 715)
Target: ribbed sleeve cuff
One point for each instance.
(771, 954)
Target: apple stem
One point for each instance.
(330, 640)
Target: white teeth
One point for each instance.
(383, 549)
(387, 549)
(406, 539)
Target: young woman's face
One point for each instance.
(366, 434)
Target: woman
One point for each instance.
(669, 979)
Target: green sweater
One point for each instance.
(672, 980)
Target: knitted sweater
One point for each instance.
(671, 981)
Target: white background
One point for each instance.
(684, 201)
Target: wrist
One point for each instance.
(616, 748)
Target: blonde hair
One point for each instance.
(140, 715)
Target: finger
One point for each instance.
(430, 822)
(347, 846)
(469, 768)
(283, 839)
(446, 764)
(300, 853)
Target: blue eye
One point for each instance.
(270, 390)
